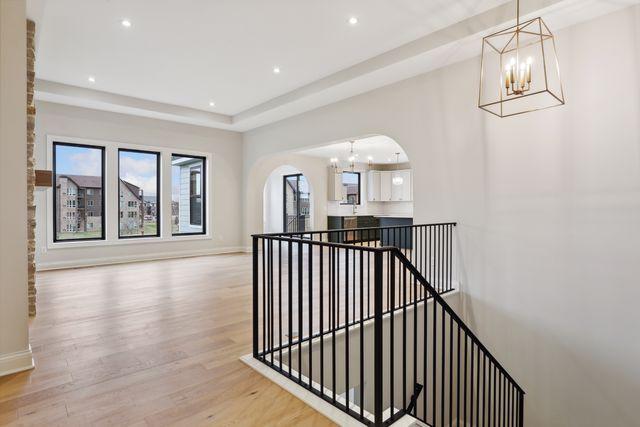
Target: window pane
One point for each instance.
(187, 195)
(78, 196)
(351, 187)
(138, 193)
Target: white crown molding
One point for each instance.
(452, 44)
(18, 361)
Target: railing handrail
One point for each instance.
(437, 298)
(340, 230)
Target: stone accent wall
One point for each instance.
(31, 175)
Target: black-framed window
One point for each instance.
(138, 193)
(296, 203)
(78, 175)
(188, 194)
(350, 188)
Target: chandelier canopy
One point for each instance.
(519, 69)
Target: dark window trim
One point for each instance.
(158, 205)
(195, 170)
(359, 188)
(203, 190)
(55, 192)
(284, 198)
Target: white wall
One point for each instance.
(225, 185)
(548, 206)
(15, 353)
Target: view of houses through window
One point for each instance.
(138, 189)
(187, 195)
(78, 196)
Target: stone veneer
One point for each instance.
(31, 177)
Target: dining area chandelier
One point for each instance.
(519, 70)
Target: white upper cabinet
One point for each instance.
(385, 186)
(401, 186)
(373, 186)
(334, 187)
(389, 186)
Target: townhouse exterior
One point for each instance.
(131, 209)
(79, 203)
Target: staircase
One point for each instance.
(371, 328)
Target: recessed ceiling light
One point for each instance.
(212, 104)
(353, 20)
(276, 70)
(91, 79)
(126, 23)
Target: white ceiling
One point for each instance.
(179, 55)
(381, 148)
(188, 52)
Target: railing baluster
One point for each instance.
(264, 301)
(458, 378)
(280, 301)
(321, 293)
(404, 337)
(392, 270)
(442, 386)
(290, 301)
(362, 334)
(425, 357)
(300, 313)
(334, 326)
(271, 344)
(255, 296)
(435, 362)
(484, 393)
(450, 370)
(310, 310)
(346, 326)
(415, 339)
(378, 337)
(472, 386)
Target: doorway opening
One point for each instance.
(296, 206)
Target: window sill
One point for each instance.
(127, 241)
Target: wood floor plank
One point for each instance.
(152, 343)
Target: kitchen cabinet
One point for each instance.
(401, 186)
(351, 222)
(390, 186)
(385, 186)
(373, 186)
(398, 237)
(334, 186)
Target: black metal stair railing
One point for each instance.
(360, 318)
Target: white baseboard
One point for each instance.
(91, 262)
(16, 362)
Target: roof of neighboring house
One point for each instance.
(84, 181)
(133, 188)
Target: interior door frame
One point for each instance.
(284, 199)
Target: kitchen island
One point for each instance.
(398, 237)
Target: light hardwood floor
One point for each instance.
(153, 343)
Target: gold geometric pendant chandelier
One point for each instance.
(519, 69)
